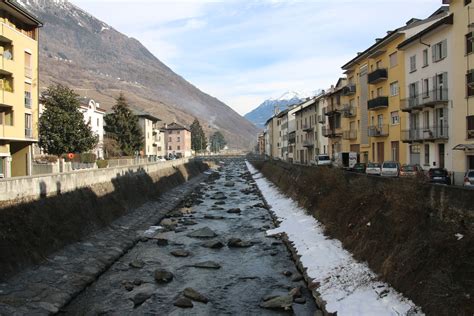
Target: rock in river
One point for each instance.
(279, 302)
(180, 253)
(183, 302)
(163, 276)
(214, 244)
(162, 242)
(207, 265)
(234, 211)
(204, 232)
(137, 264)
(219, 196)
(238, 243)
(195, 295)
(229, 184)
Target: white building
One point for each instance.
(94, 116)
(428, 62)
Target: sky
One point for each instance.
(246, 51)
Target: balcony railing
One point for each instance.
(308, 143)
(333, 109)
(307, 128)
(28, 72)
(378, 130)
(425, 134)
(28, 102)
(321, 119)
(349, 111)
(425, 99)
(377, 76)
(327, 131)
(377, 103)
(28, 133)
(349, 89)
(349, 135)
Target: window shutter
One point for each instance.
(444, 48)
(435, 82)
(433, 53)
(416, 88)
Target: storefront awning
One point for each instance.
(464, 147)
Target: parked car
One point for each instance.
(359, 168)
(390, 169)
(469, 178)
(411, 171)
(439, 175)
(373, 168)
(323, 160)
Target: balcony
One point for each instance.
(350, 89)
(348, 111)
(327, 131)
(430, 134)
(377, 76)
(307, 128)
(308, 143)
(28, 133)
(349, 135)
(378, 131)
(377, 103)
(292, 138)
(426, 99)
(331, 110)
(321, 119)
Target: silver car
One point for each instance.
(469, 178)
(390, 169)
(373, 168)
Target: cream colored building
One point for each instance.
(94, 117)
(19, 109)
(149, 126)
(309, 139)
(429, 79)
(462, 111)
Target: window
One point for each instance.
(28, 125)
(98, 123)
(426, 119)
(170, 132)
(413, 63)
(170, 139)
(470, 83)
(379, 92)
(425, 88)
(393, 60)
(169, 148)
(427, 154)
(179, 139)
(394, 88)
(470, 126)
(179, 147)
(469, 43)
(380, 120)
(28, 70)
(395, 118)
(28, 100)
(178, 132)
(378, 65)
(9, 118)
(439, 51)
(466, 2)
(425, 57)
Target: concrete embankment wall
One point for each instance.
(32, 228)
(417, 237)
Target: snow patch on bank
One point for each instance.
(347, 286)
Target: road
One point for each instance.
(211, 258)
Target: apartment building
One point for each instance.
(282, 135)
(178, 140)
(462, 113)
(94, 116)
(150, 131)
(349, 121)
(378, 74)
(309, 140)
(333, 111)
(429, 80)
(19, 109)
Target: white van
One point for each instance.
(322, 160)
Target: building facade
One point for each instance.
(378, 76)
(178, 140)
(149, 126)
(94, 116)
(429, 83)
(19, 78)
(463, 87)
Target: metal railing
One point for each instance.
(307, 127)
(28, 133)
(349, 111)
(378, 130)
(377, 103)
(308, 143)
(377, 75)
(431, 133)
(425, 99)
(349, 135)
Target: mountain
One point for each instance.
(100, 62)
(264, 111)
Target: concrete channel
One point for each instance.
(211, 257)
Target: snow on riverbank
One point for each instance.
(347, 286)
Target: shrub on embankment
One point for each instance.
(406, 231)
(31, 231)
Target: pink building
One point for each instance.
(178, 140)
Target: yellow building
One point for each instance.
(18, 88)
(371, 116)
(463, 87)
